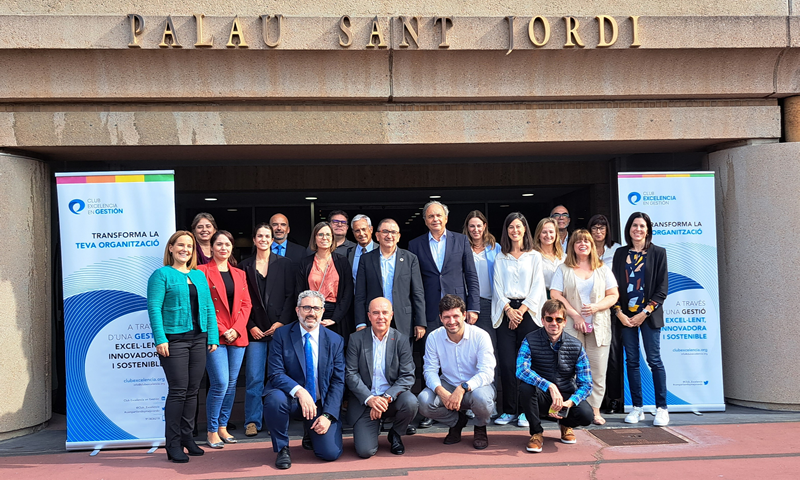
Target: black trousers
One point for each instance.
(508, 343)
(614, 375)
(184, 369)
(536, 404)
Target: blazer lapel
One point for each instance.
(369, 354)
(390, 351)
(215, 277)
(270, 280)
(426, 251)
(322, 360)
(448, 249)
(400, 262)
(297, 341)
(253, 280)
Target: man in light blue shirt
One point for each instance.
(362, 231)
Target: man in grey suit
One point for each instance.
(379, 371)
(392, 273)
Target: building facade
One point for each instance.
(373, 100)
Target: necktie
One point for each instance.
(311, 381)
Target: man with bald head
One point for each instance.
(379, 371)
(281, 245)
(561, 215)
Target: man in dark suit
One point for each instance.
(379, 372)
(402, 284)
(306, 379)
(446, 264)
(362, 231)
(281, 244)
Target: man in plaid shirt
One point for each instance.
(553, 366)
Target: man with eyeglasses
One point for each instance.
(306, 380)
(338, 220)
(392, 273)
(555, 375)
(561, 215)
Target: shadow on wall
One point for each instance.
(25, 303)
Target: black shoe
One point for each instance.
(307, 445)
(231, 426)
(614, 406)
(426, 422)
(284, 459)
(192, 448)
(396, 443)
(177, 455)
(454, 434)
(411, 430)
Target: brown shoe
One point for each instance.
(567, 435)
(480, 441)
(454, 434)
(251, 430)
(535, 443)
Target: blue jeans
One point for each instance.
(223, 369)
(651, 337)
(255, 368)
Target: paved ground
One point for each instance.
(740, 444)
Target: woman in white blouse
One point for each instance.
(545, 241)
(605, 246)
(588, 289)
(519, 294)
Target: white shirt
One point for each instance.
(549, 267)
(518, 278)
(471, 360)
(379, 382)
(314, 353)
(482, 266)
(608, 254)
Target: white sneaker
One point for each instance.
(505, 419)
(636, 415)
(662, 418)
(522, 421)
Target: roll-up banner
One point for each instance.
(114, 227)
(682, 208)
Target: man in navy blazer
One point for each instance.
(295, 391)
(457, 274)
(404, 289)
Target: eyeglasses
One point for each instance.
(559, 215)
(324, 235)
(389, 232)
(558, 320)
(598, 228)
(311, 308)
(339, 222)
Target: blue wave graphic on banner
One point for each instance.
(96, 277)
(679, 283)
(84, 316)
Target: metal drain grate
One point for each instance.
(621, 437)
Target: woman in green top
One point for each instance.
(184, 324)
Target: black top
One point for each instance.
(656, 280)
(262, 284)
(195, 307)
(227, 279)
(274, 301)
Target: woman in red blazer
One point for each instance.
(231, 299)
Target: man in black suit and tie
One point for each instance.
(281, 244)
(379, 372)
(306, 379)
(392, 273)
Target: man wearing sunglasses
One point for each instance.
(555, 378)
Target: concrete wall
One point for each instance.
(757, 199)
(25, 288)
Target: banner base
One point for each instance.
(98, 445)
(696, 408)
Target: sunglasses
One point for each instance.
(554, 319)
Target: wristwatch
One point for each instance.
(329, 417)
(387, 396)
(465, 386)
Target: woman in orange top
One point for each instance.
(330, 274)
(232, 305)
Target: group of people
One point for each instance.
(544, 315)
